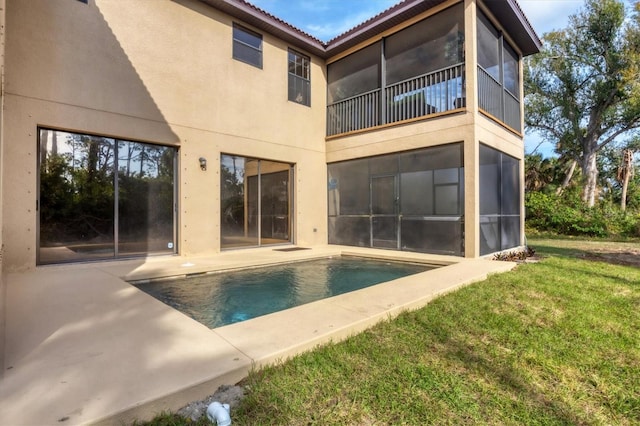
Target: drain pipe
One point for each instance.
(219, 413)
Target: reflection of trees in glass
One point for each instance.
(77, 191)
(232, 195)
(145, 192)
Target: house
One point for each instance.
(193, 127)
(138, 128)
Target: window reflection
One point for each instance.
(255, 202)
(86, 213)
(145, 198)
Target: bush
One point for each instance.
(568, 215)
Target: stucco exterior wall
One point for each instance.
(162, 72)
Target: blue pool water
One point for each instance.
(225, 298)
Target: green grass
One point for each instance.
(556, 342)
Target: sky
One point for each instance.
(326, 19)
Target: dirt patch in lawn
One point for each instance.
(623, 256)
(616, 253)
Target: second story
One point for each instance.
(230, 67)
(427, 59)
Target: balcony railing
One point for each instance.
(431, 93)
(497, 101)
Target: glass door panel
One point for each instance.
(76, 197)
(274, 201)
(256, 202)
(239, 206)
(145, 198)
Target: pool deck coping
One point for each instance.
(83, 346)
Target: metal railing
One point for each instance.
(512, 111)
(427, 94)
(355, 113)
(437, 91)
(497, 101)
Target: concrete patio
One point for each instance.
(84, 346)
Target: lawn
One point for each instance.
(553, 342)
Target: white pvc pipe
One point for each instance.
(219, 413)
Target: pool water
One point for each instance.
(225, 298)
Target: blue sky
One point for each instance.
(326, 19)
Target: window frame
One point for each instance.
(305, 67)
(238, 43)
(112, 167)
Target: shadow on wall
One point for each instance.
(65, 52)
(66, 69)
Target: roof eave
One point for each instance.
(262, 20)
(514, 21)
(508, 12)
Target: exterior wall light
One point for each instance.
(203, 164)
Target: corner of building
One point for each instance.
(3, 288)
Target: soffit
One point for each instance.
(516, 24)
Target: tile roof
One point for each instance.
(508, 12)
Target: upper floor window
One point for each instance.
(299, 78)
(247, 46)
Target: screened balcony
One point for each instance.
(427, 94)
(416, 72)
(498, 75)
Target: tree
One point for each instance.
(625, 173)
(539, 172)
(583, 90)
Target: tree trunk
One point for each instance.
(625, 186)
(567, 177)
(590, 171)
(44, 142)
(626, 171)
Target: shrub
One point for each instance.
(568, 215)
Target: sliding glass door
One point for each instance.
(104, 198)
(255, 202)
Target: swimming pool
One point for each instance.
(219, 299)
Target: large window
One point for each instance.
(104, 198)
(247, 46)
(498, 75)
(414, 72)
(255, 202)
(299, 78)
(499, 201)
(410, 201)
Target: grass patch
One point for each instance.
(556, 342)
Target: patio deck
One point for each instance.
(84, 346)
